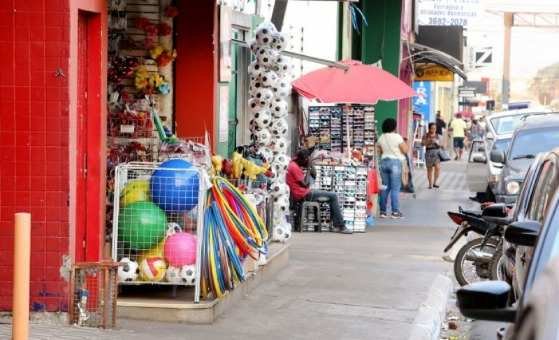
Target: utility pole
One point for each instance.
(506, 60)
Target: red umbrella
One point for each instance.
(360, 84)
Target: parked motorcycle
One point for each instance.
(474, 261)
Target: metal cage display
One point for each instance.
(157, 223)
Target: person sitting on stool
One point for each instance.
(300, 190)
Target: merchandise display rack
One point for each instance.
(350, 184)
(336, 125)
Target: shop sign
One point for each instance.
(433, 73)
(423, 101)
(466, 92)
(446, 12)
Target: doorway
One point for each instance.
(89, 130)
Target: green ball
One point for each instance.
(141, 225)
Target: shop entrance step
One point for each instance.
(182, 309)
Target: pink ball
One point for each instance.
(180, 249)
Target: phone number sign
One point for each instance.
(446, 12)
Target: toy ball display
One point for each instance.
(279, 108)
(263, 137)
(174, 186)
(269, 78)
(152, 269)
(173, 275)
(141, 225)
(135, 191)
(262, 119)
(280, 127)
(180, 249)
(127, 270)
(188, 275)
(266, 57)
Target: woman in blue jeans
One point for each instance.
(392, 149)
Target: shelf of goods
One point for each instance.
(350, 184)
(336, 125)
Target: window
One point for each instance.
(546, 184)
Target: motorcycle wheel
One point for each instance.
(467, 271)
(497, 266)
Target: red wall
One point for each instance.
(195, 68)
(34, 142)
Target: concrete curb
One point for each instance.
(432, 312)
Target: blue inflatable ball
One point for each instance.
(174, 186)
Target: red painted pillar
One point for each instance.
(196, 68)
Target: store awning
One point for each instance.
(425, 54)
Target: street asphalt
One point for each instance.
(361, 286)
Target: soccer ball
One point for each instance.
(153, 269)
(279, 108)
(282, 160)
(278, 42)
(254, 46)
(279, 145)
(269, 79)
(265, 33)
(264, 96)
(283, 65)
(280, 127)
(188, 274)
(266, 57)
(281, 233)
(254, 86)
(255, 69)
(262, 119)
(127, 270)
(281, 203)
(278, 188)
(282, 89)
(263, 137)
(266, 153)
(173, 274)
(254, 105)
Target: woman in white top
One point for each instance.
(392, 149)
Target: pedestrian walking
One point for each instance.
(458, 128)
(441, 127)
(392, 149)
(477, 131)
(432, 143)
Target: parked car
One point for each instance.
(512, 265)
(483, 174)
(490, 300)
(537, 133)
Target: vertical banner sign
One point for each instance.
(422, 102)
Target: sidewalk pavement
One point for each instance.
(361, 286)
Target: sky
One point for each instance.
(531, 48)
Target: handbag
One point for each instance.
(444, 156)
